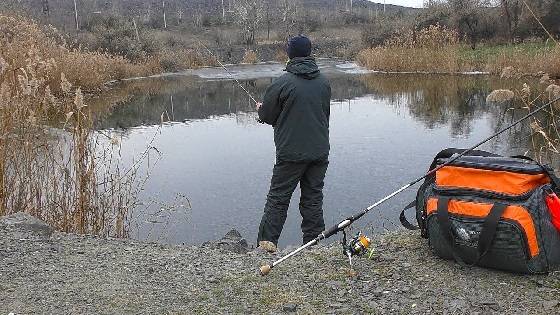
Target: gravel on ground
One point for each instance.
(45, 272)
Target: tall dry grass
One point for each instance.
(53, 165)
(22, 39)
(433, 49)
(437, 49)
(545, 60)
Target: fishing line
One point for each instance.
(228, 72)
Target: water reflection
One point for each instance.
(433, 100)
(385, 129)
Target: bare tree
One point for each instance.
(467, 16)
(46, 9)
(249, 15)
(288, 9)
(180, 15)
(512, 11)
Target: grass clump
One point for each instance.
(250, 57)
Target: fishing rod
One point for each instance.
(264, 270)
(228, 72)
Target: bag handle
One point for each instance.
(489, 228)
(487, 234)
(449, 152)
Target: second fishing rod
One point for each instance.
(264, 270)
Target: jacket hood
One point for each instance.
(305, 67)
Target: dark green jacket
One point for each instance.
(297, 105)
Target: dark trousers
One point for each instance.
(285, 177)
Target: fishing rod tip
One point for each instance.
(265, 270)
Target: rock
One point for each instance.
(268, 246)
(493, 305)
(233, 234)
(457, 304)
(232, 241)
(289, 308)
(22, 225)
(336, 305)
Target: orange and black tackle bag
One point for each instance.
(492, 211)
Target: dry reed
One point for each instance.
(53, 165)
(433, 49)
(545, 134)
(520, 61)
(22, 39)
(437, 49)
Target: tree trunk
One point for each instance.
(136, 30)
(164, 18)
(46, 10)
(76, 16)
(505, 7)
(267, 20)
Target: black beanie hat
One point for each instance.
(299, 46)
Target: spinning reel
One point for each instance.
(357, 246)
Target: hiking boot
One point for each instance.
(268, 246)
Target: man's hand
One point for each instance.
(259, 104)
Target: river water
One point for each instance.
(216, 160)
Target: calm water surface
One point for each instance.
(385, 130)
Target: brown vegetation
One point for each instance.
(250, 57)
(437, 49)
(433, 49)
(52, 164)
(545, 60)
(23, 42)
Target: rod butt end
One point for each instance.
(265, 270)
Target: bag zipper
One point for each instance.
(498, 167)
(481, 193)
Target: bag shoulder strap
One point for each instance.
(449, 152)
(404, 220)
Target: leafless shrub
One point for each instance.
(250, 57)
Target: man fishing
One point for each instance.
(297, 105)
